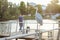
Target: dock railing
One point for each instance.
(5, 28)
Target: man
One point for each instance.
(21, 21)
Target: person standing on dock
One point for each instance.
(21, 22)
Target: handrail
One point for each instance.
(24, 35)
(18, 36)
(24, 23)
(50, 30)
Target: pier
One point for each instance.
(32, 35)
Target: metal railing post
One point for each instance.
(58, 35)
(9, 28)
(40, 35)
(50, 37)
(16, 26)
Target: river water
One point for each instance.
(47, 24)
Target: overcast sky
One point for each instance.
(42, 2)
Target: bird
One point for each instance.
(38, 17)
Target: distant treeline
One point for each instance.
(9, 11)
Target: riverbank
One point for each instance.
(25, 18)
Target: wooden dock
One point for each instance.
(25, 36)
(18, 36)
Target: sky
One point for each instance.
(42, 2)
